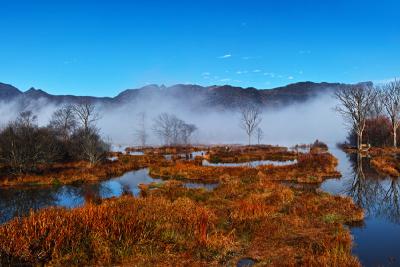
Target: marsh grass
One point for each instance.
(78, 172)
(250, 214)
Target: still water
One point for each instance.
(251, 163)
(377, 240)
(19, 201)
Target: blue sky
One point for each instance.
(103, 47)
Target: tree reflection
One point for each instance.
(378, 195)
(18, 202)
(389, 207)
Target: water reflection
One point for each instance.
(251, 163)
(16, 202)
(19, 201)
(376, 193)
(376, 243)
(187, 156)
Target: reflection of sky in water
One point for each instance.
(136, 153)
(251, 163)
(376, 243)
(18, 201)
(188, 156)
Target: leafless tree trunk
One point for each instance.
(141, 132)
(391, 102)
(260, 135)
(355, 105)
(86, 114)
(250, 119)
(64, 122)
(172, 130)
(187, 131)
(162, 127)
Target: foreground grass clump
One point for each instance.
(172, 225)
(114, 231)
(237, 154)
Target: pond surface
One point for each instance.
(136, 153)
(19, 201)
(188, 156)
(377, 241)
(251, 163)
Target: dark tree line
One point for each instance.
(71, 135)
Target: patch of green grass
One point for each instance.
(332, 218)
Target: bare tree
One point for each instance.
(355, 104)
(172, 130)
(86, 114)
(141, 132)
(87, 141)
(250, 119)
(187, 132)
(63, 121)
(260, 135)
(391, 103)
(162, 127)
(88, 145)
(27, 119)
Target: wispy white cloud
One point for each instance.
(241, 72)
(256, 71)
(225, 56)
(270, 74)
(225, 80)
(205, 74)
(290, 77)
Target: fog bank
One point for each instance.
(294, 124)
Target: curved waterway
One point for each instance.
(377, 240)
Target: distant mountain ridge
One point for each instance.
(223, 97)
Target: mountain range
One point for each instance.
(223, 97)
